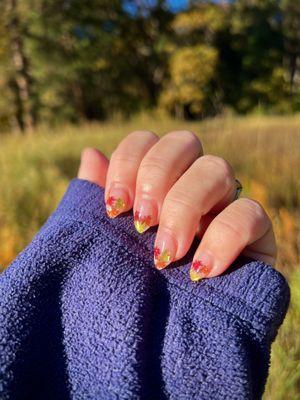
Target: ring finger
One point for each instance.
(207, 185)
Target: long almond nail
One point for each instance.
(145, 215)
(164, 250)
(201, 267)
(116, 202)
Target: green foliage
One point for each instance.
(7, 106)
(191, 70)
(75, 61)
(199, 22)
(257, 44)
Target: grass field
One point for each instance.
(264, 152)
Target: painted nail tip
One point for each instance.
(113, 214)
(158, 266)
(141, 228)
(115, 206)
(195, 277)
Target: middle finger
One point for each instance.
(164, 163)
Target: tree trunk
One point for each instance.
(19, 61)
(179, 111)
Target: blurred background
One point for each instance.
(76, 74)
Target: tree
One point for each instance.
(254, 60)
(190, 89)
(291, 33)
(191, 70)
(69, 60)
(19, 80)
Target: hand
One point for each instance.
(170, 182)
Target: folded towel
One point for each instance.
(85, 315)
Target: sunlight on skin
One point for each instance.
(170, 182)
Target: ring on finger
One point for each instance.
(238, 189)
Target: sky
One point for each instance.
(176, 5)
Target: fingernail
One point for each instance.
(164, 250)
(116, 202)
(201, 267)
(144, 215)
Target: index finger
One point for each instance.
(123, 169)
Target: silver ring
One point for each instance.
(238, 189)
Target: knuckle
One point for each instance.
(152, 167)
(232, 229)
(131, 141)
(153, 162)
(220, 162)
(140, 133)
(186, 135)
(120, 157)
(225, 170)
(179, 199)
(254, 207)
(129, 149)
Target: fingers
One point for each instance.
(167, 182)
(162, 166)
(93, 166)
(123, 169)
(207, 183)
(242, 227)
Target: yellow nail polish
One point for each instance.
(164, 250)
(145, 214)
(199, 271)
(117, 201)
(161, 258)
(114, 206)
(141, 223)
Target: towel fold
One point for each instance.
(85, 315)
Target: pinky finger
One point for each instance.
(242, 227)
(93, 166)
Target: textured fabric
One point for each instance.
(85, 315)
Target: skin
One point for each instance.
(171, 183)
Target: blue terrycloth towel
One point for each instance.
(85, 315)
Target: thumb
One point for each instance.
(93, 166)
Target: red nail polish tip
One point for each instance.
(199, 270)
(161, 258)
(114, 206)
(156, 252)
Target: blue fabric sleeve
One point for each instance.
(85, 315)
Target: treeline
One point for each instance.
(74, 60)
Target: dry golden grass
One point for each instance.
(264, 152)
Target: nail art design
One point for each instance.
(199, 270)
(114, 206)
(141, 222)
(165, 248)
(161, 258)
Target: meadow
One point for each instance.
(264, 151)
